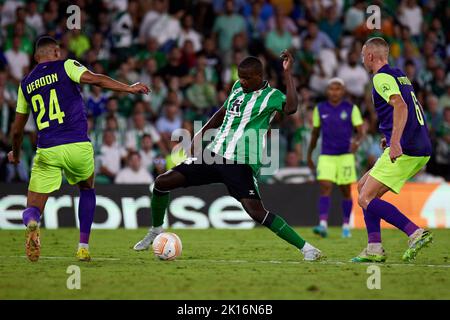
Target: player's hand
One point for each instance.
(383, 143)
(311, 165)
(288, 60)
(395, 151)
(139, 88)
(12, 158)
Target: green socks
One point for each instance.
(283, 230)
(159, 203)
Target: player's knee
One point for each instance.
(364, 200)
(162, 183)
(325, 188)
(256, 214)
(360, 185)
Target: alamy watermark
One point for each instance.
(74, 280)
(374, 20)
(74, 20)
(374, 280)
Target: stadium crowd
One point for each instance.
(188, 51)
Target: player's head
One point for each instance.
(46, 49)
(250, 72)
(335, 90)
(374, 54)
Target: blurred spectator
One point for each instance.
(279, 38)
(256, 25)
(355, 16)
(112, 110)
(411, 16)
(148, 154)
(134, 172)
(320, 40)
(110, 157)
(444, 100)
(188, 33)
(433, 115)
(169, 122)
(159, 25)
(189, 58)
(34, 18)
(151, 52)
(96, 102)
(226, 26)
(175, 67)
(331, 25)
(141, 127)
(201, 94)
(354, 75)
(18, 61)
(122, 25)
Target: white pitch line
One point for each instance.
(64, 258)
(331, 262)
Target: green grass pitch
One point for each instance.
(220, 264)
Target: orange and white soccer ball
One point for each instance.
(167, 246)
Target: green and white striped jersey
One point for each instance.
(242, 135)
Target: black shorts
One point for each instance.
(237, 177)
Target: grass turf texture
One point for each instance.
(220, 264)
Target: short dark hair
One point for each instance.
(45, 41)
(252, 63)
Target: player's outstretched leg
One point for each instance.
(159, 203)
(324, 208)
(347, 205)
(280, 227)
(31, 218)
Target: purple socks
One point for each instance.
(324, 207)
(380, 209)
(347, 205)
(31, 213)
(373, 227)
(86, 209)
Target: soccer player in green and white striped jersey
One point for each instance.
(235, 154)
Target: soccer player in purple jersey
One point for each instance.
(51, 92)
(407, 150)
(336, 120)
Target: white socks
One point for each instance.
(307, 247)
(375, 247)
(324, 223)
(83, 245)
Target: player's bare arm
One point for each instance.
(291, 93)
(399, 118)
(106, 82)
(17, 137)
(312, 145)
(213, 123)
